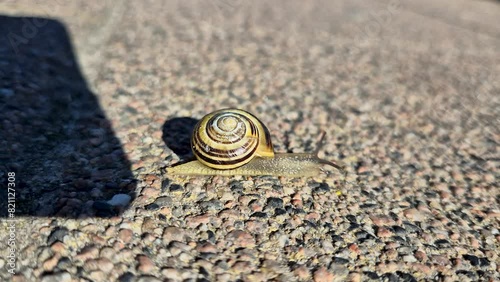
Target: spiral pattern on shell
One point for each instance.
(230, 138)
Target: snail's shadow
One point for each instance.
(54, 135)
(177, 136)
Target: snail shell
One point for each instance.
(235, 142)
(230, 138)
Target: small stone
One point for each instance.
(254, 226)
(173, 233)
(148, 278)
(399, 230)
(126, 277)
(241, 267)
(211, 205)
(49, 264)
(354, 277)
(176, 188)
(57, 235)
(150, 192)
(105, 265)
(148, 225)
(414, 214)
(176, 248)
(442, 243)
(172, 273)
(164, 185)
(241, 239)
(152, 207)
(383, 232)
(371, 275)
(302, 272)
(391, 254)
(412, 228)
(275, 202)
(164, 201)
(59, 248)
(484, 262)
(91, 265)
(87, 252)
(440, 259)
(57, 277)
(120, 200)
(474, 260)
(421, 268)
(97, 275)
(144, 264)
(259, 214)
(236, 186)
(207, 248)
(322, 275)
(339, 272)
(381, 220)
(64, 263)
(387, 267)
(421, 256)
(125, 235)
(195, 221)
(409, 258)
(339, 260)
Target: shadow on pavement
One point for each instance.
(54, 134)
(177, 136)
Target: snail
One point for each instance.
(234, 142)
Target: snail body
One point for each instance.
(234, 142)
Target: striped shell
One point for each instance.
(230, 138)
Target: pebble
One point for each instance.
(49, 264)
(383, 232)
(164, 201)
(125, 235)
(323, 275)
(414, 214)
(105, 264)
(173, 233)
(421, 256)
(241, 239)
(207, 248)
(175, 188)
(275, 202)
(127, 277)
(302, 273)
(120, 200)
(440, 259)
(144, 264)
(409, 258)
(87, 252)
(97, 275)
(172, 273)
(211, 205)
(255, 227)
(150, 192)
(474, 260)
(148, 278)
(57, 277)
(381, 220)
(64, 263)
(58, 234)
(59, 248)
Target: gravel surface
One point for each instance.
(96, 100)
